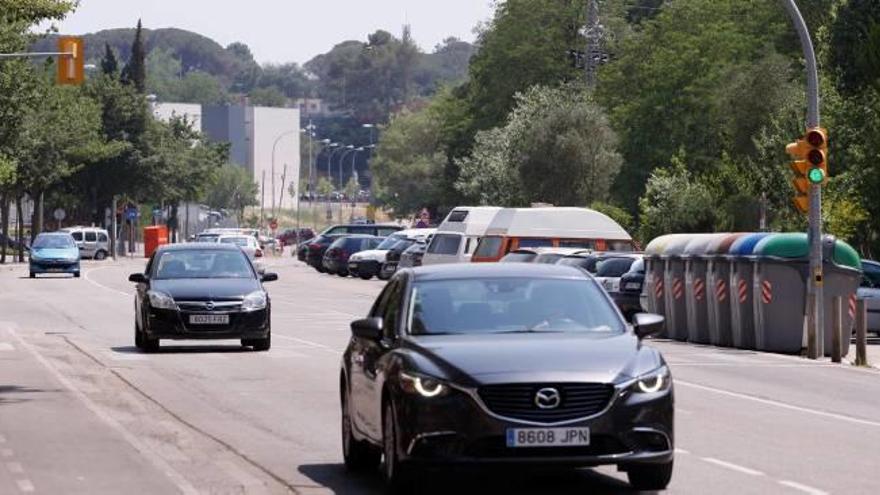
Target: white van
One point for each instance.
(457, 237)
(92, 242)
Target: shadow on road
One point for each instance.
(442, 482)
(188, 349)
(7, 390)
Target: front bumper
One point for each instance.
(172, 324)
(52, 266)
(388, 269)
(363, 267)
(459, 429)
(335, 265)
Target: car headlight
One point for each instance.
(658, 380)
(254, 301)
(161, 300)
(422, 385)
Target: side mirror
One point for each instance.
(269, 277)
(368, 328)
(138, 278)
(646, 324)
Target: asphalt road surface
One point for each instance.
(82, 412)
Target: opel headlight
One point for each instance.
(161, 300)
(254, 301)
(658, 380)
(422, 385)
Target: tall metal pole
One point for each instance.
(815, 296)
(593, 35)
(113, 227)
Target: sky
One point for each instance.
(287, 30)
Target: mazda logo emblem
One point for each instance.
(548, 398)
(209, 306)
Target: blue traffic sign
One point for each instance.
(131, 213)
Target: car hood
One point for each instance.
(369, 255)
(46, 253)
(473, 360)
(206, 289)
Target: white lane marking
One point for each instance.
(682, 451)
(5, 346)
(111, 289)
(14, 467)
(732, 466)
(309, 343)
(25, 485)
(143, 448)
(683, 411)
(781, 405)
(802, 488)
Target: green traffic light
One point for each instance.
(816, 175)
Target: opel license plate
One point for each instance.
(209, 319)
(548, 437)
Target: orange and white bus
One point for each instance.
(516, 228)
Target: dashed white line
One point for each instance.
(732, 466)
(25, 485)
(309, 343)
(782, 405)
(802, 488)
(5, 346)
(682, 451)
(89, 280)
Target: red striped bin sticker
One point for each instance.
(767, 292)
(721, 291)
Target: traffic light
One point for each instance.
(810, 164)
(71, 62)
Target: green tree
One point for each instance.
(268, 97)
(135, 71)
(675, 202)
(855, 45)
(234, 189)
(109, 64)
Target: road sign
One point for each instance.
(131, 213)
(59, 214)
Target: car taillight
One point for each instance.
(315, 246)
(258, 253)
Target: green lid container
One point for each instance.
(796, 246)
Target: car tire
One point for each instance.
(138, 337)
(359, 455)
(100, 255)
(382, 276)
(76, 275)
(259, 345)
(398, 475)
(150, 345)
(33, 275)
(365, 276)
(650, 476)
(342, 274)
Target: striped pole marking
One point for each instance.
(677, 289)
(743, 291)
(658, 286)
(721, 291)
(767, 292)
(852, 306)
(699, 289)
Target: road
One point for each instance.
(81, 412)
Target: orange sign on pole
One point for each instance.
(71, 62)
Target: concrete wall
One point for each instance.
(277, 128)
(229, 124)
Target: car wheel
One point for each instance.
(365, 276)
(398, 475)
(149, 345)
(76, 275)
(342, 274)
(100, 255)
(382, 276)
(359, 455)
(259, 345)
(650, 476)
(33, 275)
(138, 337)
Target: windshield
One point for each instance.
(489, 247)
(207, 237)
(511, 305)
(524, 257)
(445, 244)
(587, 263)
(614, 267)
(548, 258)
(238, 241)
(54, 242)
(198, 263)
(389, 242)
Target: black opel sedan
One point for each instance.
(201, 291)
(495, 364)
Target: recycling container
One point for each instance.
(654, 291)
(718, 286)
(154, 237)
(696, 289)
(674, 280)
(779, 287)
(842, 276)
(742, 261)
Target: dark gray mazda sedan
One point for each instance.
(504, 364)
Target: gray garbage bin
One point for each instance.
(696, 289)
(674, 280)
(742, 269)
(842, 273)
(654, 291)
(718, 286)
(779, 287)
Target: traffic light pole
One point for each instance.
(815, 300)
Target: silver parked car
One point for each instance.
(92, 242)
(870, 292)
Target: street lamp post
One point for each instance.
(348, 149)
(371, 127)
(354, 176)
(338, 147)
(274, 148)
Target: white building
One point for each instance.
(190, 111)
